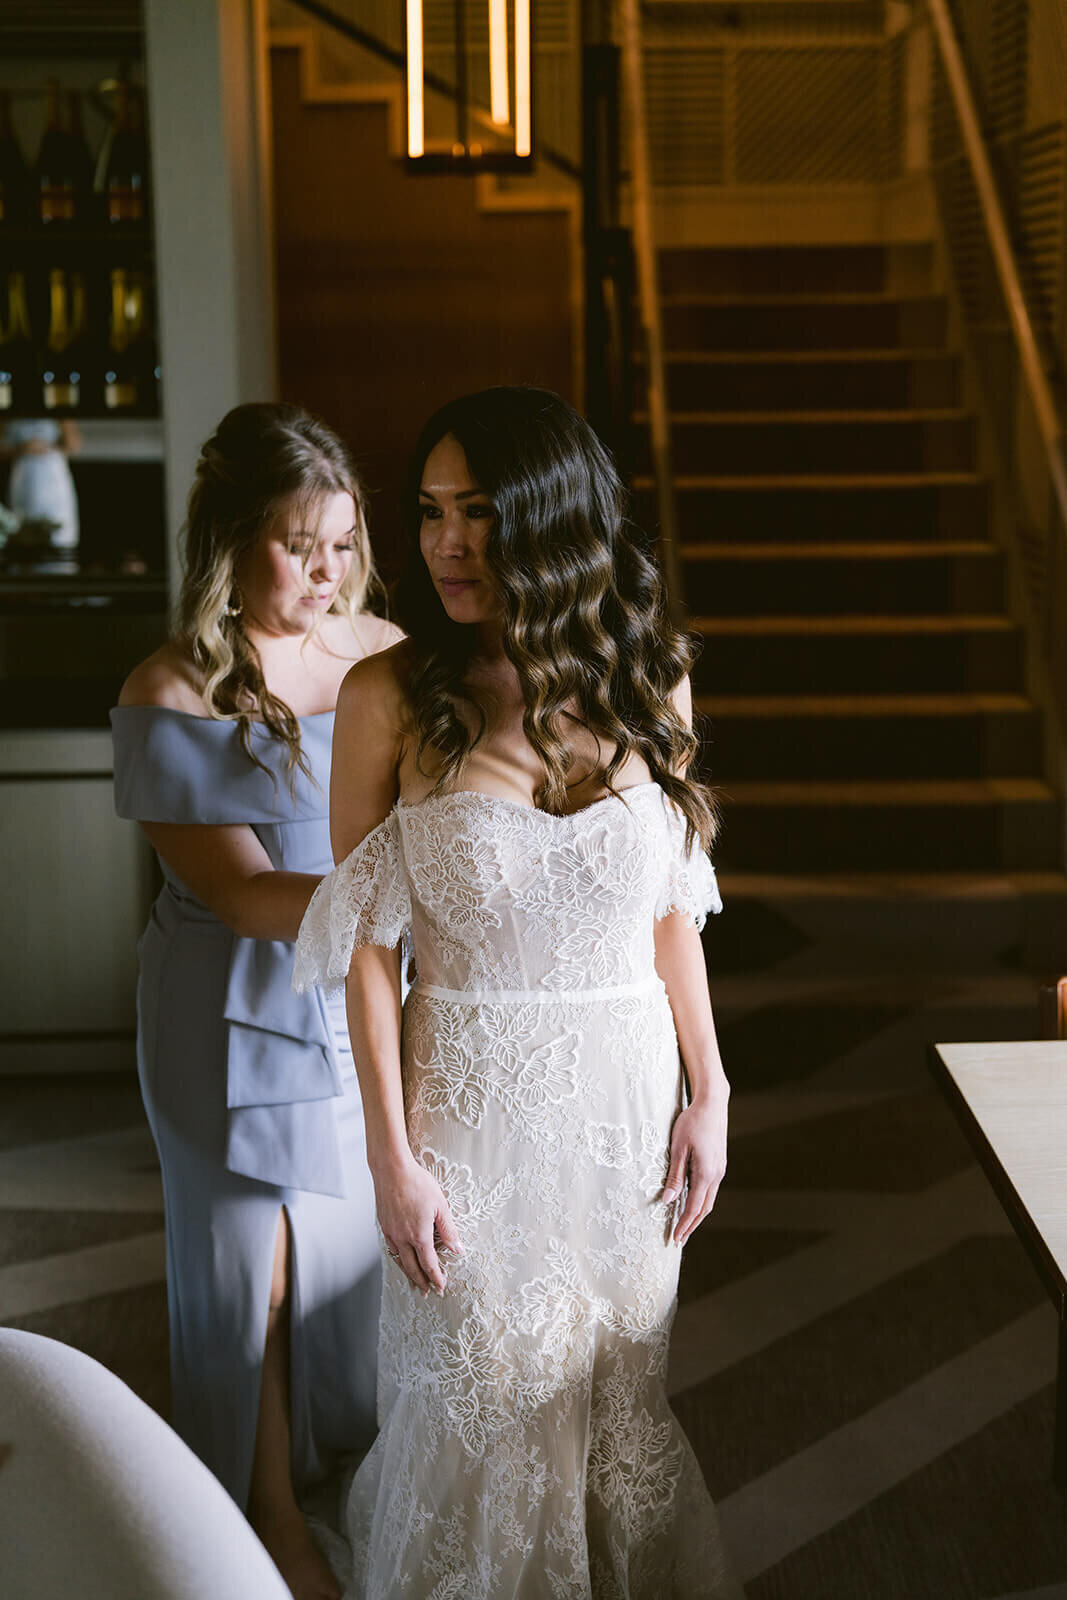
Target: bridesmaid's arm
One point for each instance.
(225, 866)
(228, 869)
(364, 784)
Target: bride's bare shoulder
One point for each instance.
(377, 633)
(352, 638)
(165, 678)
(377, 686)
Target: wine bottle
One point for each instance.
(126, 178)
(56, 185)
(125, 379)
(14, 174)
(16, 349)
(64, 354)
(81, 160)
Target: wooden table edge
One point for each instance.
(1026, 1228)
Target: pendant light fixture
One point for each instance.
(469, 85)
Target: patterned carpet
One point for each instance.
(863, 1356)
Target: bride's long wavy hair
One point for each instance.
(585, 622)
(261, 459)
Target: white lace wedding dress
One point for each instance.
(527, 1450)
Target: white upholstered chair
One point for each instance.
(100, 1499)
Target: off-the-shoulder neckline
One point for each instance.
(520, 805)
(214, 722)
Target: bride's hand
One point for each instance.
(415, 1219)
(698, 1154)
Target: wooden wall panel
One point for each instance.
(395, 293)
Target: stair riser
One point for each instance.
(941, 511)
(871, 663)
(757, 448)
(810, 385)
(927, 586)
(887, 838)
(906, 325)
(777, 269)
(986, 745)
(925, 928)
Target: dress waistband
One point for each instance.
(544, 997)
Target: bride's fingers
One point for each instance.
(676, 1172)
(430, 1265)
(411, 1267)
(696, 1209)
(445, 1235)
(713, 1192)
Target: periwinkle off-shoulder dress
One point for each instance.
(527, 1450)
(253, 1102)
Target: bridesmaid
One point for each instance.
(222, 753)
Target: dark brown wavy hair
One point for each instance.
(260, 458)
(585, 622)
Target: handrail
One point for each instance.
(648, 294)
(396, 58)
(608, 252)
(1037, 383)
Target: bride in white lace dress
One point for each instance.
(508, 788)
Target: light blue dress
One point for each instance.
(252, 1099)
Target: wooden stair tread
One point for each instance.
(814, 480)
(842, 550)
(963, 885)
(823, 792)
(725, 358)
(811, 418)
(860, 705)
(872, 297)
(903, 624)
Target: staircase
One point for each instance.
(862, 679)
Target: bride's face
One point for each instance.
(456, 517)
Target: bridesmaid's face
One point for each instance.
(292, 573)
(456, 517)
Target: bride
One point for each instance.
(546, 1120)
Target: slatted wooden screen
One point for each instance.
(772, 93)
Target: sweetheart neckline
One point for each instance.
(520, 805)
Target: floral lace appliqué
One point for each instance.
(527, 1448)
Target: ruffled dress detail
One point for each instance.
(251, 1096)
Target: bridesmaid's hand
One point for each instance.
(415, 1219)
(698, 1154)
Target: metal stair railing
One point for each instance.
(1031, 359)
(649, 301)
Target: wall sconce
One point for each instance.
(474, 88)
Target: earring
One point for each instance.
(232, 610)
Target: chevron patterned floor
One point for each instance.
(863, 1357)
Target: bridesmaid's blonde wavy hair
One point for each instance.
(261, 459)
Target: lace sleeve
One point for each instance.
(689, 883)
(364, 900)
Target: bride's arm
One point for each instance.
(367, 747)
(698, 1138)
